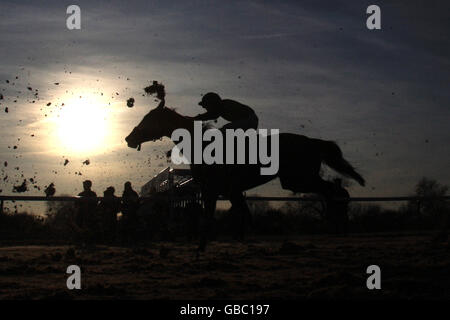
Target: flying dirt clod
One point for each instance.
(130, 103)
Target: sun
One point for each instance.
(82, 125)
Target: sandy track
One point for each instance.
(308, 267)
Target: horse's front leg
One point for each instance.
(242, 212)
(207, 224)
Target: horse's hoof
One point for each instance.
(201, 246)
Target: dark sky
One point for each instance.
(310, 67)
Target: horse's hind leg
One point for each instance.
(336, 210)
(315, 184)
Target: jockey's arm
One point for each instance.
(207, 116)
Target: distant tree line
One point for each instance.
(159, 222)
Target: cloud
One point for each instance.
(306, 67)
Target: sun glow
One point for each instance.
(82, 125)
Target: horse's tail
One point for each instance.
(332, 156)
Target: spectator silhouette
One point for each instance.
(130, 205)
(50, 190)
(86, 205)
(130, 199)
(108, 209)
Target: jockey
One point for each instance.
(239, 115)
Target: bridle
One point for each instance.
(141, 133)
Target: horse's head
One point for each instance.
(158, 123)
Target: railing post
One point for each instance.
(171, 200)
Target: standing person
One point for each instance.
(130, 205)
(130, 199)
(86, 205)
(109, 207)
(50, 190)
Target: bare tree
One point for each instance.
(432, 192)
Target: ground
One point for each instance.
(323, 266)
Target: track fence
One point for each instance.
(251, 198)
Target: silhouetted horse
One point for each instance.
(300, 159)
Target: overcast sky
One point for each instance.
(309, 67)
